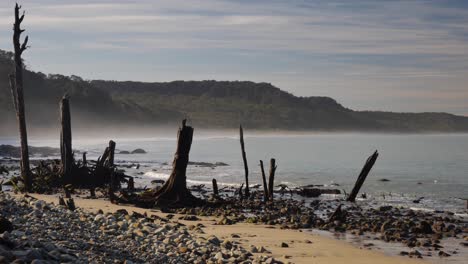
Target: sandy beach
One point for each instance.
(302, 247)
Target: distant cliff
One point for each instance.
(208, 104)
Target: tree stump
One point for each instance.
(215, 188)
(174, 192)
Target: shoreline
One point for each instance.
(303, 247)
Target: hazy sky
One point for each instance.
(377, 55)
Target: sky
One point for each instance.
(401, 55)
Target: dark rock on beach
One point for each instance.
(138, 151)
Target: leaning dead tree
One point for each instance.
(174, 192)
(265, 186)
(66, 141)
(16, 84)
(362, 176)
(244, 158)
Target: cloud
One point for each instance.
(398, 49)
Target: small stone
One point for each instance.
(183, 249)
(214, 240)
(284, 245)
(443, 254)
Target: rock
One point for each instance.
(219, 256)
(284, 245)
(385, 208)
(384, 180)
(253, 249)
(214, 240)
(183, 249)
(443, 254)
(227, 244)
(124, 152)
(138, 151)
(425, 227)
(415, 253)
(385, 226)
(5, 225)
(99, 217)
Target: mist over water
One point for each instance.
(434, 166)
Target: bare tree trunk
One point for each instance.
(244, 158)
(174, 191)
(265, 186)
(66, 141)
(111, 153)
(271, 179)
(18, 98)
(215, 188)
(362, 176)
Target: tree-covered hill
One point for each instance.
(208, 104)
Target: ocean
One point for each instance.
(432, 166)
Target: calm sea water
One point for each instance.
(431, 166)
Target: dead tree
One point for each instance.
(362, 176)
(66, 141)
(174, 192)
(16, 84)
(244, 158)
(271, 179)
(265, 186)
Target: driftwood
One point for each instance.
(271, 179)
(265, 186)
(362, 176)
(16, 85)
(315, 192)
(244, 158)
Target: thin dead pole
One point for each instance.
(265, 186)
(66, 141)
(362, 176)
(271, 179)
(244, 158)
(16, 83)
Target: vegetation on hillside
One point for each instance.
(209, 104)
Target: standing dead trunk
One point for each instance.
(66, 141)
(174, 192)
(16, 83)
(265, 186)
(362, 176)
(215, 188)
(110, 157)
(244, 158)
(271, 179)
(84, 159)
